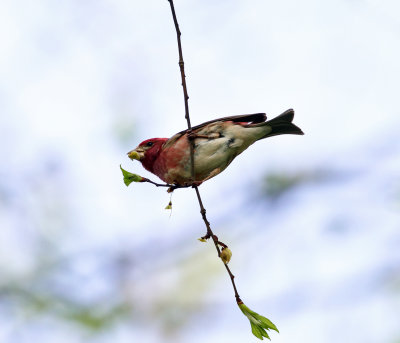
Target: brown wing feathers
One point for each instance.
(244, 118)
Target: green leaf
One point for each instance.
(130, 177)
(258, 332)
(259, 324)
(267, 324)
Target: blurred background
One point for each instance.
(313, 221)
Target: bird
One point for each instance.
(216, 143)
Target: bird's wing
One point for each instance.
(173, 139)
(243, 118)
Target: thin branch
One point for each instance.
(209, 233)
(181, 64)
(171, 187)
(155, 183)
(183, 77)
(217, 243)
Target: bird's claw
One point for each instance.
(195, 184)
(185, 185)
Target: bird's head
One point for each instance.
(147, 152)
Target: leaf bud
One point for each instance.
(226, 255)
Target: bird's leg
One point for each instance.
(176, 186)
(192, 184)
(196, 183)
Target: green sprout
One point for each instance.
(169, 206)
(130, 177)
(259, 324)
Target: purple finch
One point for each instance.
(216, 144)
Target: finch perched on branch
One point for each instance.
(216, 144)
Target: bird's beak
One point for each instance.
(136, 154)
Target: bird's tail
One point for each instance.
(282, 124)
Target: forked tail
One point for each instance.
(282, 124)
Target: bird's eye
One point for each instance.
(149, 144)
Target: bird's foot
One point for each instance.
(193, 184)
(185, 185)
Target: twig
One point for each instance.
(209, 233)
(217, 243)
(156, 184)
(171, 187)
(183, 77)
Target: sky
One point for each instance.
(313, 220)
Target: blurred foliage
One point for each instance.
(92, 317)
(170, 306)
(277, 184)
(55, 286)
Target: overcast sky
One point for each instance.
(83, 82)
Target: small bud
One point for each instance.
(133, 155)
(169, 206)
(202, 240)
(226, 255)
